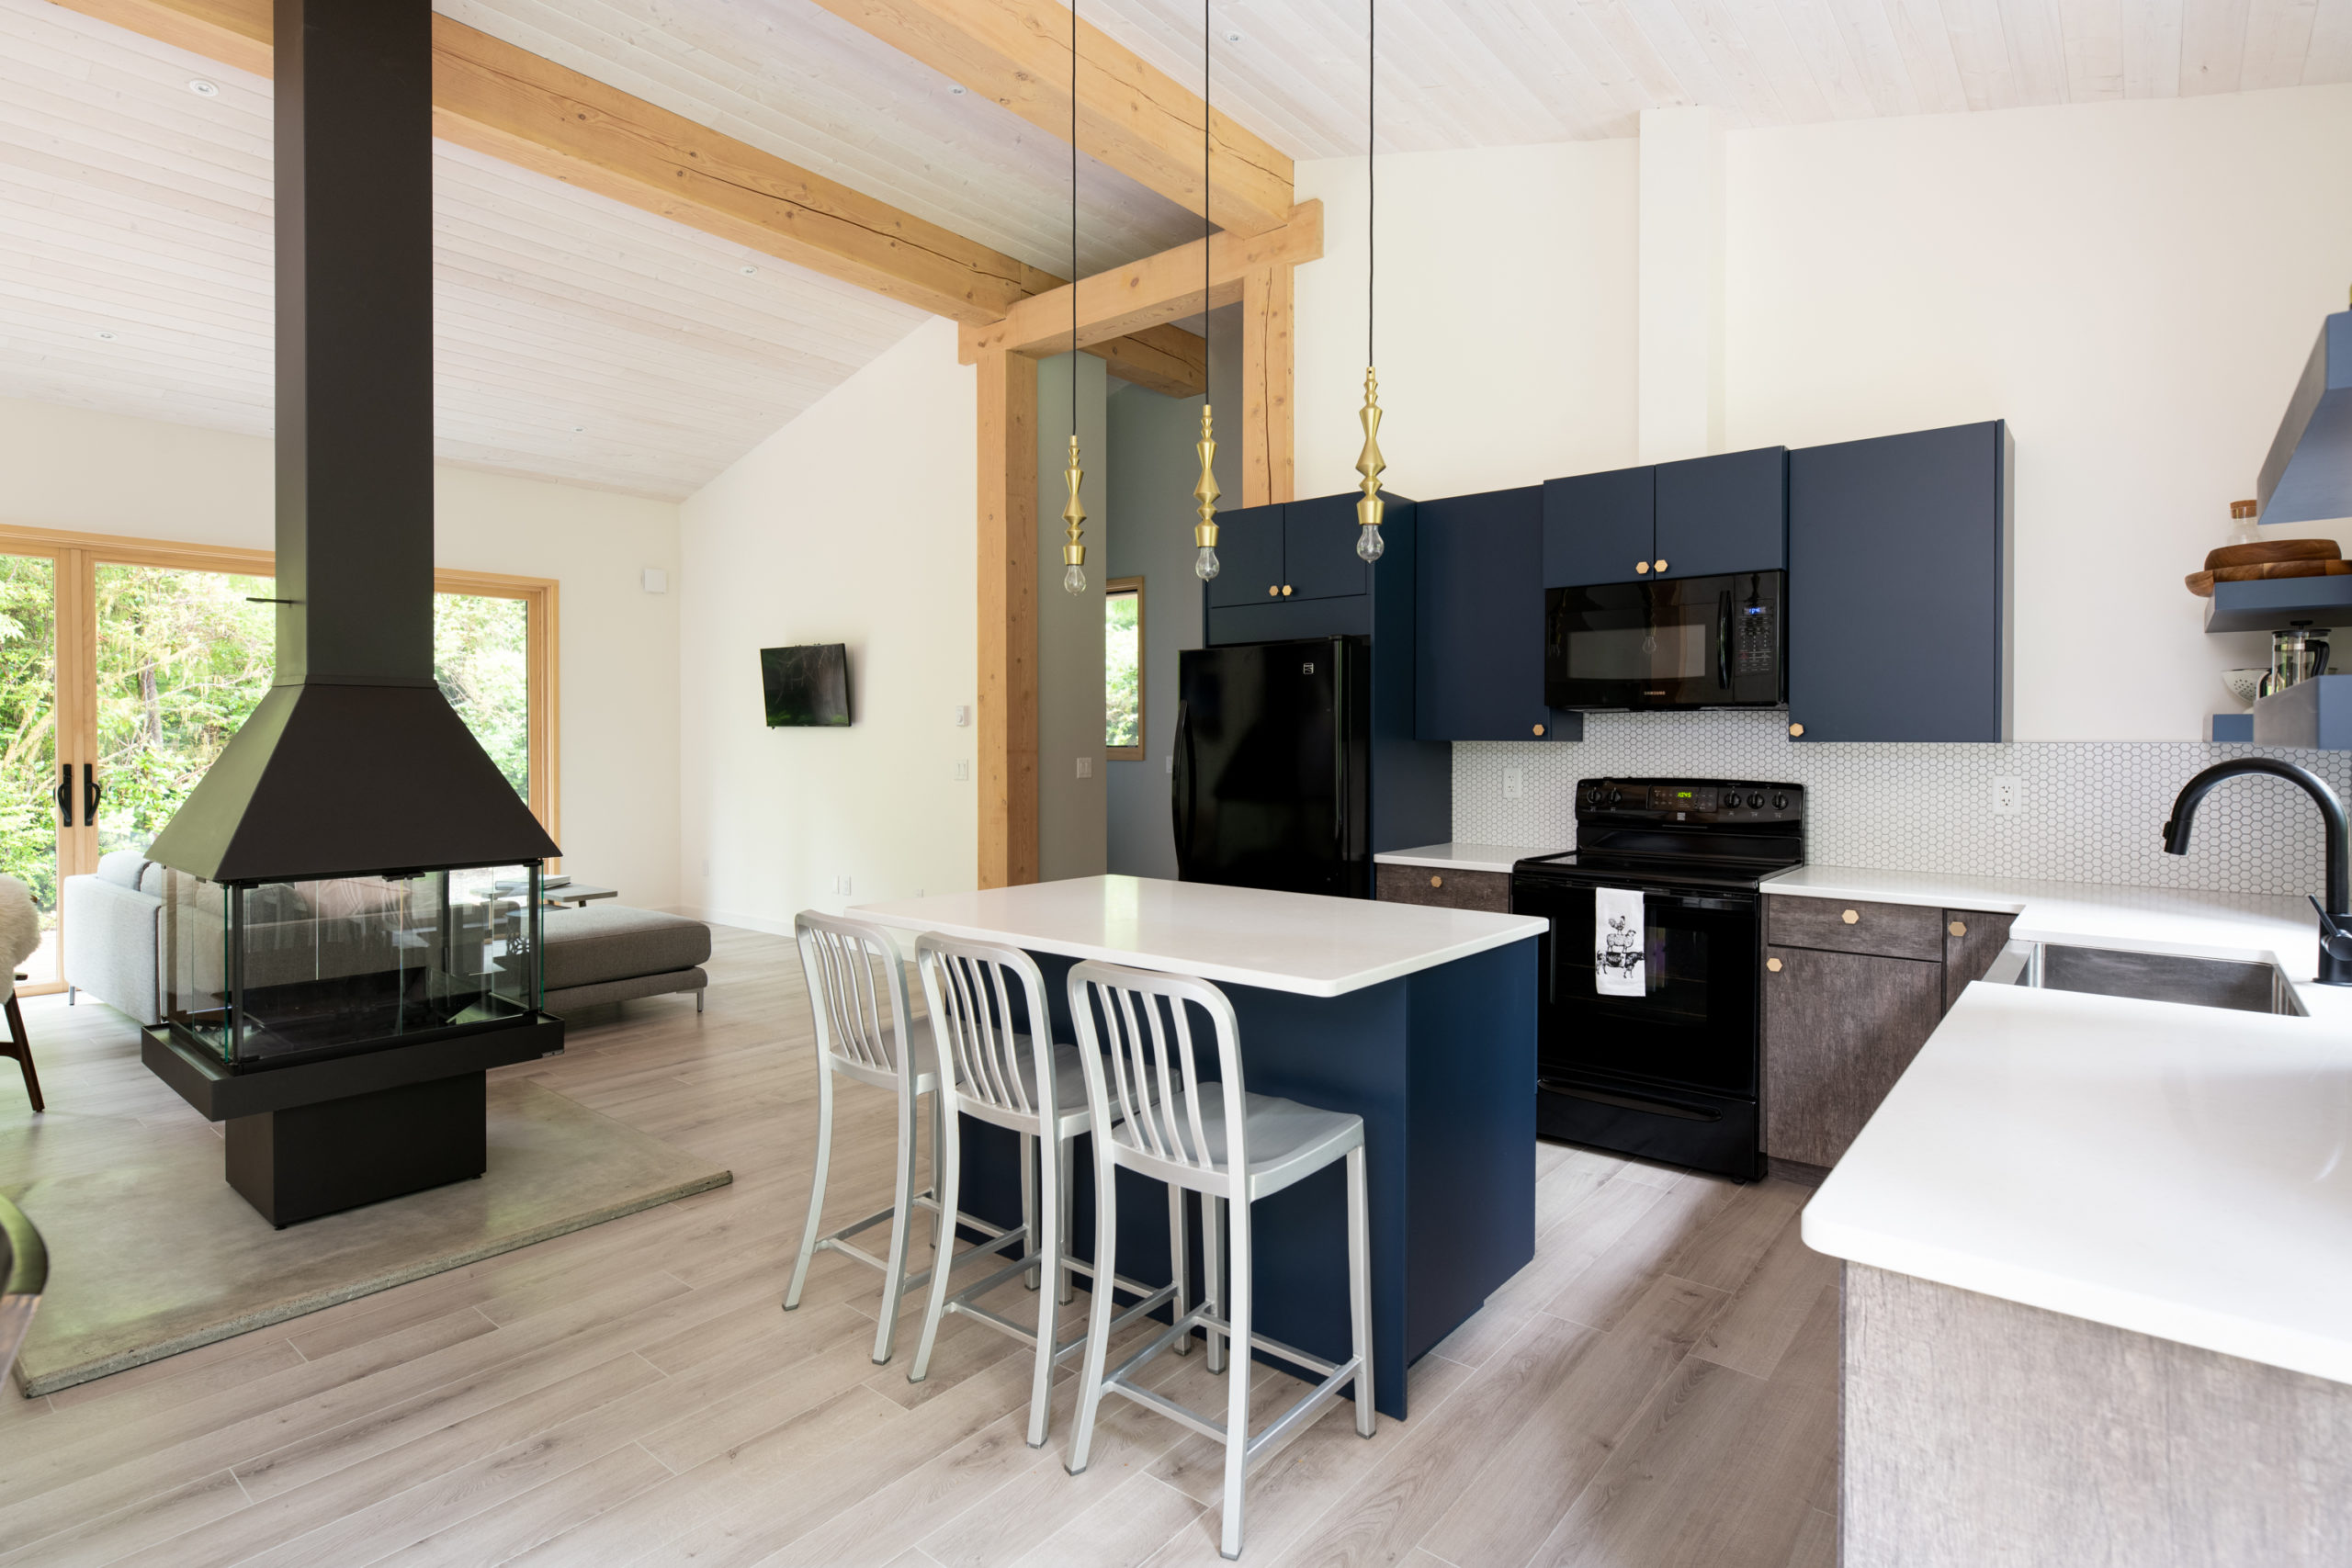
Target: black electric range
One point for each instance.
(1650, 1034)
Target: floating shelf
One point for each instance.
(2232, 728)
(2315, 714)
(2273, 604)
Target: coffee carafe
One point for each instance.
(2297, 654)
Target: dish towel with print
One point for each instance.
(1617, 942)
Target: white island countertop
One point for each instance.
(1301, 942)
(2179, 1172)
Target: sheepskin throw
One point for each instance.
(19, 924)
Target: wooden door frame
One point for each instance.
(78, 554)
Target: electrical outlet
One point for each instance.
(1513, 784)
(1086, 767)
(2008, 796)
(963, 772)
(840, 884)
(1170, 760)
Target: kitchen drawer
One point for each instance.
(1489, 890)
(1847, 925)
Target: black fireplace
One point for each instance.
(352, 893)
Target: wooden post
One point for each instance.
(1008, 618)
(1266, 367)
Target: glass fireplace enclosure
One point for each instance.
(264, 973)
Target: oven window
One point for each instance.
(1677, 652)
(1695, 1023)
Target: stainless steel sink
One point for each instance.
(2234, 984)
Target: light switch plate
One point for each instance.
(840, 884)
(1086, 767)
(963, 772)
(655, 580)
(1512, 783)
(963, 716)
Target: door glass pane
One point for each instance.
(184, 657)
(482, 657)
(29, 743)
(1123, 668)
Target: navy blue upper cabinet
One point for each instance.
(1249, 553)
(1723, 515)
(1898, 565)
(1481, 619)
(1319, 559)
(1599, 527)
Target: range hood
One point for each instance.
(2308, 476)
(354, 763)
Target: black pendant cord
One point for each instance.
(1206, 180)
(1370, 173)
(1073, 221)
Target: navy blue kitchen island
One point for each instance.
(1419, 1019)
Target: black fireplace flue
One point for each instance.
(352, 892)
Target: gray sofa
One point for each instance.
(595, 955)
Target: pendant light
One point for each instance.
(1369, 464)
(1073, 510)
(1205, 494)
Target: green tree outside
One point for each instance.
(1121, 670)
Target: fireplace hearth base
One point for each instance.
(319, 1137)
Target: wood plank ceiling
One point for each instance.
(586, 340)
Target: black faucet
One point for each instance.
(2335, 914)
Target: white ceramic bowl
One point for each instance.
(2244, 685)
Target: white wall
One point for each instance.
(66, 468)
(853, 524)
(2134, 286)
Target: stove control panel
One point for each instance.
(1706, 801)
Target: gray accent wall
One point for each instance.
(1152, 473)
(1070, 810)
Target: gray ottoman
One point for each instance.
(608, 952)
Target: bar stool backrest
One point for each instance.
(967, 987)
(840, 957)
(1142, 1059)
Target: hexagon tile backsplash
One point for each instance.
(2090, 811)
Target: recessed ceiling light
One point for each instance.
(1233, 37)
(204, 89)
(579, 430)
(106, 335)
(751, 271)
(957, 88)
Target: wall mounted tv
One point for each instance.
(806, 686)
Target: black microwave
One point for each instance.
(1688, 642)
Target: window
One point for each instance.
(1123, 669)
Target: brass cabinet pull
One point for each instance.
(1272, 591)
(1852, 917)
(1957, 928)
(1539, 730)
(1640, 569)
(1796, 730)
(1437, 882)
(1773, 965)
(1660, 567)
(1286, 589)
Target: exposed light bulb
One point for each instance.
(1369, 544)
(1074, 578)
(1205, 565)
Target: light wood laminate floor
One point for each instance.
(1657, 1387)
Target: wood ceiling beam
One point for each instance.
(1133, 117)
(1158, 289)
(496, 98)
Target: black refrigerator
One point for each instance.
(1271, 785)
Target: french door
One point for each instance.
(126, 666)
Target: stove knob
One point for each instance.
(1755, 802)
(1780, 803)
(1616, 796)
(1592, 797)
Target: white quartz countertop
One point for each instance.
(2179, 1172)
(1462, 857)
(1301, 942)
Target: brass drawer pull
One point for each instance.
(1796, 730)
(1660, 567)
(1773, 965)
(1272, 591)
(1957, 928)
(1437, 882)
(1640, 569)
(1851, 916)
(1539, 730)
(1286, 589)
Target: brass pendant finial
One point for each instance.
(1371, 464)
(1074, 512)
(1205, 492)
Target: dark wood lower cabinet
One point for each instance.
(1972, 939)
(1838, 1030)
(1489, 890)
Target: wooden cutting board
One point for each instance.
(2271, 550)
(2201, 582)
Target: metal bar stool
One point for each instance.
(853, 1041)
(1233, 1148)
(1000, 1078)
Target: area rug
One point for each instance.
(151, 1252)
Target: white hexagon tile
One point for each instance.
(2091, 811)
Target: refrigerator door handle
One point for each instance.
(1339, 749)
(1180, 797)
